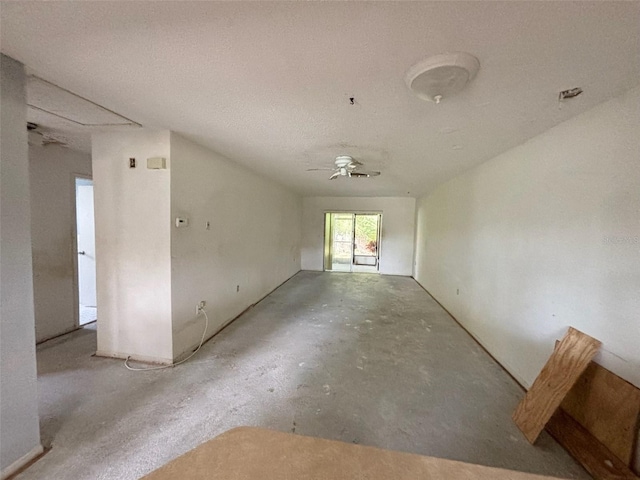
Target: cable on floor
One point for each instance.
(204, 332)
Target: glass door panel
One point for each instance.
(342, 242)
(365, 255)
(366, 235)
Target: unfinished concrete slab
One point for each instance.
(360, 358)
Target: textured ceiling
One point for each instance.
(268, 84)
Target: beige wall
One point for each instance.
(253, 241)
(544, 236)
(133, 245)
(19, 432)
(151, 274)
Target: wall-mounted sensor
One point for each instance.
(182, 222)
(571, 93)
(156, 163)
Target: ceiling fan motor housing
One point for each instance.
(343, 161)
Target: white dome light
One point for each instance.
(441, 76)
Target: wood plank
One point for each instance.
(608, 407)
(248, 453)
(560, 373)
(598, 460)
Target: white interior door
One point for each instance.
(86, 243)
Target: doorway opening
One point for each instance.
(86, 250)
(352, 242)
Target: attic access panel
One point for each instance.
(50, 100)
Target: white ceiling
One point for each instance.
(268, 84)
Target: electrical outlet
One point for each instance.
(457, 291)
(237, 288)
(200, 306)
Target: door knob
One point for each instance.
(82, 253)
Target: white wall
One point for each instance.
(51, 173)
(133, 251)
(253, 240)
(20, 432)
(544, 236)
(396, 242)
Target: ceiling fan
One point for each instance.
(346, 166)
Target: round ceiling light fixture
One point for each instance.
(441, 76)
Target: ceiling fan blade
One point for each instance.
(320, 169)
(362, 173)
(334, 176)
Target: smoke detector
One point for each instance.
(441, 76)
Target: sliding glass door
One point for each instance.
(352, 242)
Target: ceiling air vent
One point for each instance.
(571, 93)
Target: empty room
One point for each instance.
(318, 240)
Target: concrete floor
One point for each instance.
(360, 358)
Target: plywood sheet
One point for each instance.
(253, 453)
(608, 407)
(560, 373)
(598, 460)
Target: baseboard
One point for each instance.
(191, 349)
(22, 462)
(519, 381)
(52, 337)
(135, 358)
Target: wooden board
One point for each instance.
(560, 373)
(598, 460)
(608, 407)
(253, 453)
